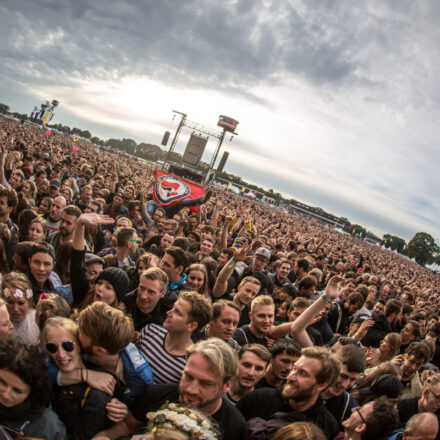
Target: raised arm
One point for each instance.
(298, 329)
(90, 219)
(3, 152)
(221, 283)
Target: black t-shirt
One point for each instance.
(244, 336)
(244, 316)
(140, 320)
(230, 420)
(265, 402)
(262, 383)
(407, 408)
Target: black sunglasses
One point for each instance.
(68, 346)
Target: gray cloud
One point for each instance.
(204, 43)
(358, 56)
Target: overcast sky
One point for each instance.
(338, 101)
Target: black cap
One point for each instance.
(117, 278)
(387, 385)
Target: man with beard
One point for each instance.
(262, 318)
(252, 363)
(68, 221)
(284, 354)
(207, 376)
(53, 218)
(299, 399)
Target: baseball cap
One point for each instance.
(263, 252)
(55, 183)
(90, 258)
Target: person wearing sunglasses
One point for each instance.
(81, 407)
(24, 394)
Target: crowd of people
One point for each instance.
(226, 319)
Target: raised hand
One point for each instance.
(241, 254)
(332, 289)
(91, 219)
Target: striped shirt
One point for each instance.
(166, 367)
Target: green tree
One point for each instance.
(423, 249)
(4, 108)
(150, 152)
(358, 230)
(395, 243)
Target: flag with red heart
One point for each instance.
(170, 189)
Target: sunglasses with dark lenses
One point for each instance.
(68, 346)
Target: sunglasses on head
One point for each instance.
(68, 346)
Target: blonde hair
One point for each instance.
(49, 306)
(65, 324)
(395, 341)
(262, 300)
(250, 279)
(41, 221)
(156, 274)
(17, 280)
(220, 354)
(430, 379)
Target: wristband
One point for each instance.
(232, 264)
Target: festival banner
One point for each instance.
(169, 189)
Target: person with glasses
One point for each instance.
(428, 402)
(79, 406)
(373, 421)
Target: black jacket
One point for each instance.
(140, 320)
(339, 318)
(377, 332)
(82, 409)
